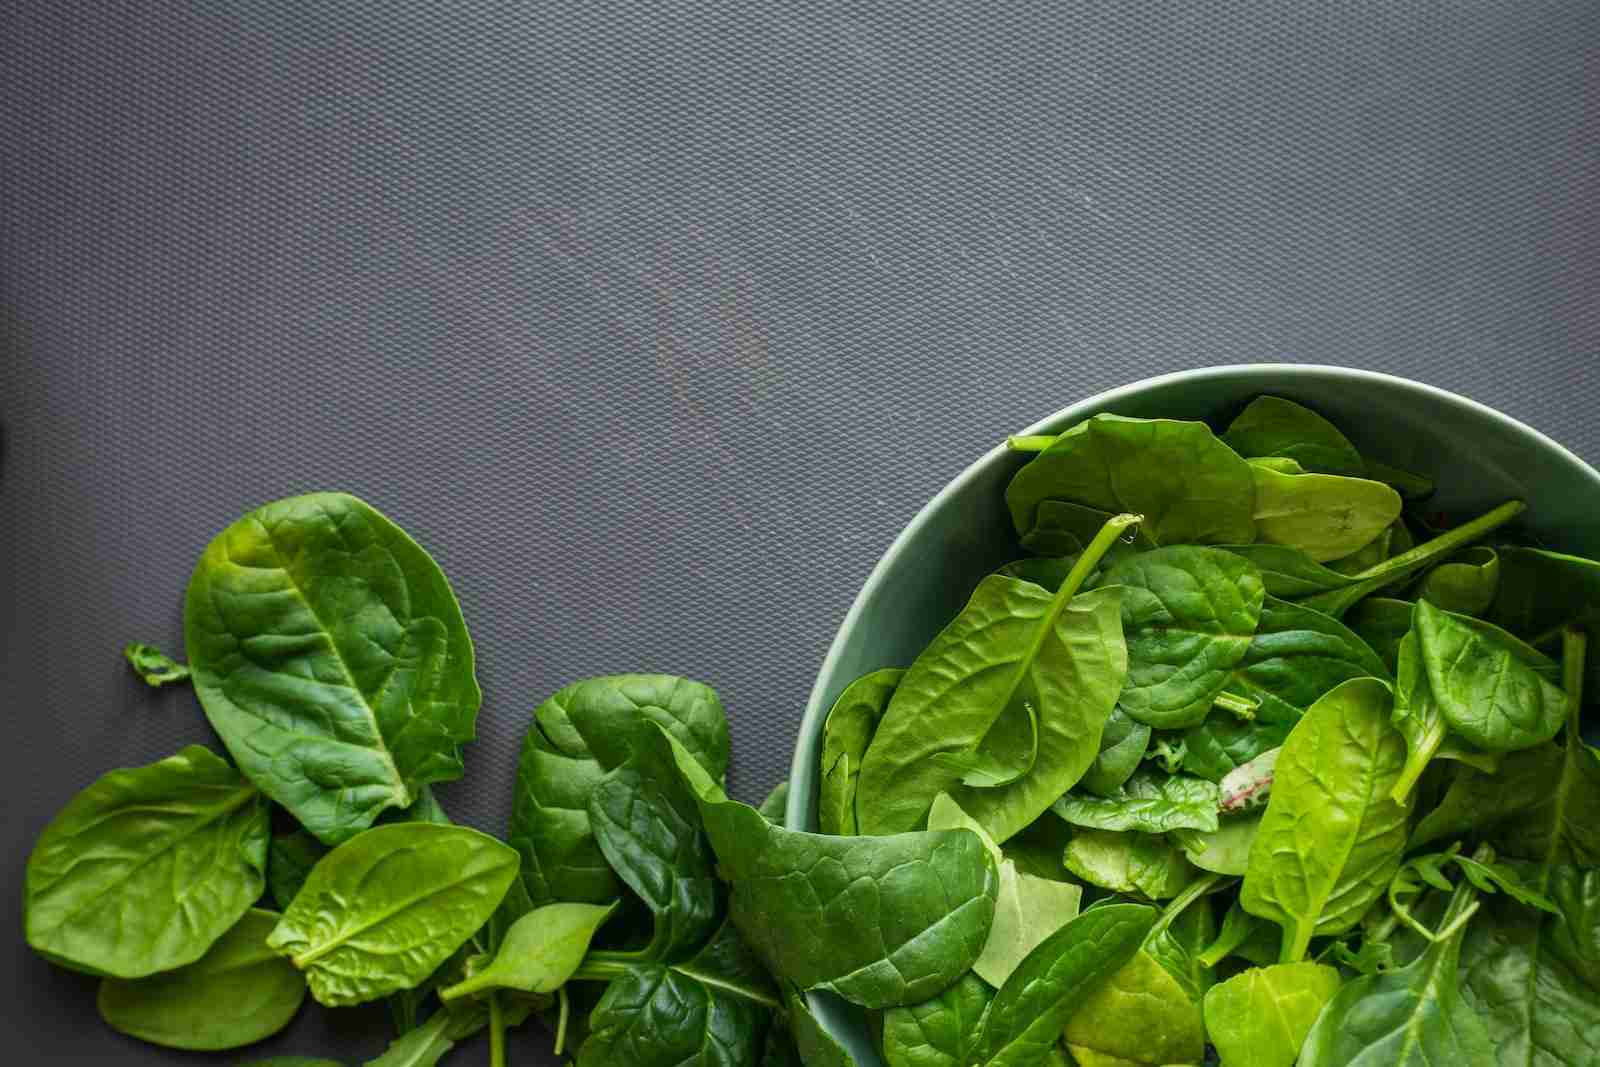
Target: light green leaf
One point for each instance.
(1140, 1015)
(1260, 1018)
(1326, 516)
(540, 952)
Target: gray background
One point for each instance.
(655, 321)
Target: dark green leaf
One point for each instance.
(238, 993)
(1271, 426)
(1189, 486)
(937, 1032)
(577, 736)
(382, 911)
(330, 655)
(143, 870)
(1188, 615)
(1414, 1016)
(845, 737)
(1151, 803)
(1332, 836)
(1014, 652)
(289, 862)
(1037, 849)
(1289, 573)
(1122, 749)
(1464, 584)
(1029, 1012)
(816, 1047)
(1382, 623)
(153, 666)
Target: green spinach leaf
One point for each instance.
(772, 809)
(143, 870)
(1326, 516)
(1262, 1016)
(540, 952)
(153, 666)
(845, 737)
(1225, 850)
(1151, 803)
(938, 1032)
(1271, 426)
(1289, 573)
(1382, 622)
(1332, 836)
(815, 1046)
(382, 911)
(1147, 865)
(238, 993)
(579, 735)
(1296, 656)
(1414, 1016)
(1028, 1014)
(1122, 748)
(290, 858)
(881, 921)
(1139, 1015)
(1190, 487)
(330, 655)
(1464, 584)
(1188, 614)
(1014, 654)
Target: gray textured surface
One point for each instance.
(655, 321)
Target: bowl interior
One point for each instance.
(1477, 456)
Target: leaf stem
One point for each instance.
(497, 1032)
(1418, 755)
(563, 1010)
(602, 967)
(1240, 707)
(1031, 442)
(1445, 543)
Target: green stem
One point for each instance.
(601, 970)
(1445, 543)
(497, 1032)
(1296, 942)
(1418, 755)
(1031, 442)
(1574, 649)
(1241, 707)
(1195, 890)
(564, 1010)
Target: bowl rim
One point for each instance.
(810, 721)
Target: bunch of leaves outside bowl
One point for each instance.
(1269, 766)
(209, 895)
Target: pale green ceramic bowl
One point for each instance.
(1478, 457)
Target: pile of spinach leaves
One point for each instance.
(1243, 678)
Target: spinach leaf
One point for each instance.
(1494, 692)
(577, 736)
(1534, 979)
(1420, 715)
(1539, 592)
(1326, 516)
(881, 921)
(937, 1032)
(1336, 602)
(1190, 487)
(143, 870)
(1185, 929)
(1370, 554)
(1271, 426)
(1225, 850)
(1414, 1016)
(1289, 573)
(1249, 785)
(1243, 935)
(239, 992)
(1151, 803)
(814, 1045)
(1027, 1015)
(1296, 656)
(1332, 836)
(845, 737)
(540, 952)
(290, 858)
(1014, 653)
(648, 827)
(710, 1010)
(1122, 749)
(382, 911)
(1038, 848)
(1382, 622)
(1063, 529)
(1188, 614)
(1144, 864)
(1464, 584)
(330, 655)
(1261, 1017)
(1139, 1015)
(772, 809)
(153, 666)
